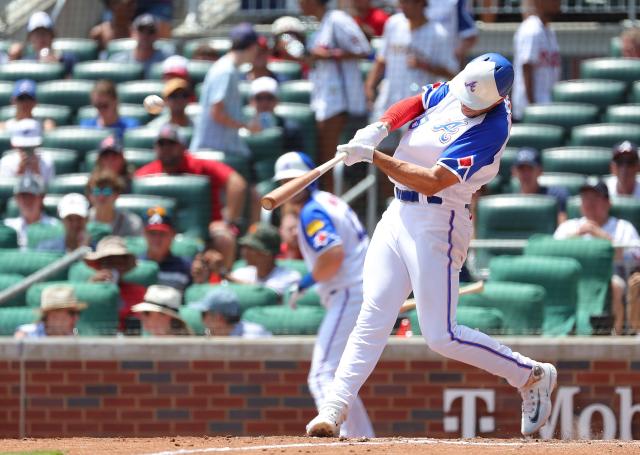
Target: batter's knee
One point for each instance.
(440, 343)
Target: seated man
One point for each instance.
(26, 137)
(624, 167)
(24, 100)
(104, 97)
(289, 248)
(176, 94)
(159, 233)
(221, 316)
(597, 223)
(73, 210)
(259, 248)
(59, 313)
(159, 314)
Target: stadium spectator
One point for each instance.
(454, 15)
(29, 193)
(221, 316)
(259, 64)
(159, 312)
(111, 158)
(208, 267)
(40, 34)
(175, 66)
(162, 10)
(371, 20)
(625, 165)
(59, 314)
(24, 101)
(112, 261)
(631, 42)
(73, 210)
(159, 232)
(289, 38)
(527, 168)
(144, 31)
(173, 158)
(596, 222)
(118, 23)
(221, 118)
(205, 52)
(104, 98)
(176, 94)
(289, 248)
(103, 189)
(338, 88)
(536, 56)
(26, 137)
(259, 249)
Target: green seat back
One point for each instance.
(82, 48)
(26, 69)
(624, 207)
(294, 264)
(135, 157)
(635, 92)
(487, 320)
(141, 203)
(135, 111)
(596, 259)
(221, 45)
(304, 117)
(26, 262)
(5, 140)
(566, 115)
(7, 280)
(557, 275)
(515, 216)
(60, 114)
(75, 138)
(572, 182)
(126, 44)
(12, 317)
(97, 231)
(183, 246)
(6, 91)
(267, 144)
(192, 194)
(69, 183)
(6, 190)
(114, 71)
(601, 93)
(615, 47)
(605, 134)
(295, 91)
(282, 320)
(145, 273)
(71, 93)
(50, 205)
(193, 318)
(197, 70)
(536, 136)
(264, 169)
(623, 113)
(265, 186)
(620, 69)
(249, 295)
(579, 160)
(38, 233)
(286, 70)
(134, 92)
(145, 137)
(506, 163)
(8, 237)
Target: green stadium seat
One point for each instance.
(624, 207)
(566, 115)
(241, 164)
(145, 273)
(12, 317)
(114, 71)
(97, 231)
(140, 203)
(25, 262)
(635, 92)
(38, 233)
(601, 93)
(267, 144)
(75, 138)
(134, 92)
(193, 318)
(50, 205)
(7, 280)
(197, 70)
(615, 47)
(25, 69)
(365, 66)
(69, 183)
(295, 91)
(579, 160)
(5, 140)
(282, 320)
(182, 246)
(135, 157)
(101, 315)
(135, 111)
(304, 117)
(572, 182)
(249, 295)
(60, 114)
(504, 172)
(127, 44)
(596, 259)
(5, 44)
(265, 186)
(623, 113)
(286, 70)
(264, 169)
(620, 69)
(536, 136)
(6, 191)
(6, 90)
(487, 320)
(8, 237)
(82, 48)
(515, 216)
(144, 137)
(192, 195)
(605, 134)
(559, 277)
(221, 45)
(71, 93)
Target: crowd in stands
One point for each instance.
(212, 126)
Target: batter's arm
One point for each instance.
(328, 263)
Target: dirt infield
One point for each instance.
(302, 445)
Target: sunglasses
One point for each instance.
(101, 106)
(106, 191)
(264, 97)
(165, 143)
(24, 98)
(178, 96)
(147, 30)
(73, 313)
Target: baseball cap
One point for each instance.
(483, 81)
(174, 84)
(625, 149)
(243, 36)
(286, 24)
(73, 204)
(26, 133)
(175, 66)
(145, 20)
(264, 84)
(160, 299)
(110, 144)
(39, 19)
(24, 87)
(158, 220)
(221, 300)
(29, 183)
(598, 186)
(292, 165)
(170, 132)
(528, 156)
(262, 237)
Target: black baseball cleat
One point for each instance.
(536, 398)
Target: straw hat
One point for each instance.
(60, 297)
(110, 245)
(165, 300)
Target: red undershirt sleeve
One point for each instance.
(403, 111)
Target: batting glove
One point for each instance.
(371, 134)
(356, 153)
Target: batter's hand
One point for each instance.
(371, 134)
(356, 153)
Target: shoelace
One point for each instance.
(528, 400)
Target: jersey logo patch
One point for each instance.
(314, 227)
(417, 122)
(471, 86)
(448, 129)
(321, 239)
(467, 161)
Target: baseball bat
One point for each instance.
(282, 194)
(473, 288)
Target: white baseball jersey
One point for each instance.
(429, 42)
(454, 15)
(338, 85)
(327, 221)
(535, 44)
(280, 279)
(469, 147)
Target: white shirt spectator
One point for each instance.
(535, 44)
(612, 185)
(249, 330)
(280, 279)
(338, 85)
(456, 19)
(10, 162)
(19, 225)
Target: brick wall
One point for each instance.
(147, 388)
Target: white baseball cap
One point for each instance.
(39, 19)
(286, 24)
(26, 133)
(264, 84)
(483, 81)
(292, 165)
(73, 204)
(175, 65)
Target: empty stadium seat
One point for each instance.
(282, 320)
(83, 49)
(6, 90)
(515, 216)
(295, 91)
(572, 182)
(263, 169)
(625, 207)
(126, 44)
(8, 237)
(536, 136)
(305, 118)
(135, 111)
(134, 92)
(114, 71)
(75, 138)
(620, 69)
(579, 160)
(623, 113)
(26, 69)
(557, 275)
(285, 70)
(601, 93)
(566, 115)
(267, 144)
(605, 134)
(5, 140)
(249, 295)
(69, 183)
(12, 317)
(221, 45)
(6, 191)
(25, 262)
(60, 114)
(6, 281)
(140, 138)
(72, 93)
(635, 92)
(487, 320)
(145, 273)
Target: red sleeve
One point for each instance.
(148, 169)
(217, 171)
(403, 111)
(379, 19)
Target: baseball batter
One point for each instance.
(456, 136)
(333, 244)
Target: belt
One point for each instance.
(414, 196)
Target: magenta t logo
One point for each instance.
(471, 85)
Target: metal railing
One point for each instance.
(628, 7)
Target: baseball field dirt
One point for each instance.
(301, 445)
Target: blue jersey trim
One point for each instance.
(317, 227)
(433, 94)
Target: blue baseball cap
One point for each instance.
(528, 156)
(483, 81)
(243, 36)
(220, 300)
(24, 87)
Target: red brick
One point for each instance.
(379, 377)
(626, 379)
(83, 377)
(207, 365)
(156, 428)
(101, 414)
(208, 414)
(422, 365)
(391, 414)
(66, 389)
(409, 402)
(155, 402)
(453, 366)
(407, 378)
(136, 389)
(191, 376)
(191, 428)
(9, 402)
(396, 365)
(231, 402)
(280, 414)
(425, 389)
(45, 427)
(295, 378)
(118, 428)
(479, 377)
(46, 377)
(136, 414)
(262, 378)
(118, 402)
(104, 365)
(82, 428)
(209, 389)
(244, 366)
(293, 428)
(233, 378)
(609, 365)
(65, 365)
(9, 377)
(119, 377)
(262, 427)
(65, 414)
(594, 378)
(380, 402)
(172, 365)
(191, 402)
(33, 389)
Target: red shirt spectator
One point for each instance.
(371, 20)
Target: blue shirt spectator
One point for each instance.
(104, 98)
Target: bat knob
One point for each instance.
(267, 203)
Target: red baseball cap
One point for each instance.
(158, 220)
